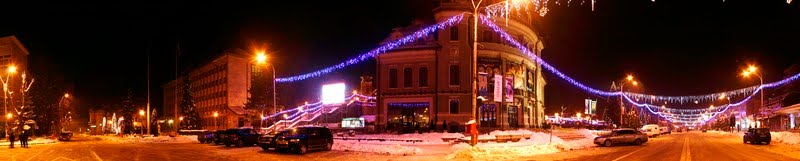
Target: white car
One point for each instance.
(652, 130)
(665, 130)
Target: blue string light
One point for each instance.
(389, 46)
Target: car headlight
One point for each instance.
(294, 140)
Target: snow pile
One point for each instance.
(539, 143)
(786, 137)
(725, 133)
(394, 149)
(511, 132)
(158, 139)
(404, 139)
(591, 133)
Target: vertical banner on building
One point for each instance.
(483, 85)
(510, 89)
(591, 106)
(498, 88)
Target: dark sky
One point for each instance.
(673, 47)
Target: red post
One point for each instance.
(473, 131)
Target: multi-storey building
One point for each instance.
(428, 82)
(12, 53)
(219, 86)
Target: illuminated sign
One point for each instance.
(333, 93)
(352, 122)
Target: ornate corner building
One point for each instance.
(426, 84)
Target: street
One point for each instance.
(83, 148)
(674, 147)
(679, 147)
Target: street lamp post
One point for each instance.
(261, 58)
(621, 107)
(141, 127)
(9, 71)
(753, 70)
(216, 124)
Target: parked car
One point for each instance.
(619, 136)
(241, 137)
(65, 136)
(303, 139)
(680, 129)
(220, 136)
(267, 140)
(652, 130)
(206, 137)
(757, 135)
(664, 130)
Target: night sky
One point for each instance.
(683, 47)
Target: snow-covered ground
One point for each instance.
(391, 149)
(539, 143)
(37, 141)
(157, 139)
(403, 139)
(786, 137)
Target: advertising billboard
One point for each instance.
(333, 93)
(591, 106)
(352, 122)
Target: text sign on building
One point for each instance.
(498, 88)
(333, 93)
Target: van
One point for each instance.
(652, 130)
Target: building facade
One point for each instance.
(428, 82)
(219, 86)
(12, 53)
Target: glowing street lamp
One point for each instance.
(141, 112)
(261, 58)
(215, 119)
(9, 116)
(752, 69)
(629, 79)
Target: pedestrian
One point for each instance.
(11, 139)
(23, 139)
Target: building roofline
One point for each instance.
(16, 41)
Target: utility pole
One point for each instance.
(148, 92)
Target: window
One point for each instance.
(423, 77)
(407, 78)
(453, 106)
(392, 78)
(454, 74)
(454, 33)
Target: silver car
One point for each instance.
(620, 136)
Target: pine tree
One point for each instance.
(128, 112)
(191, 118)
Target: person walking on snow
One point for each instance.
(11, 139)
(23, 139)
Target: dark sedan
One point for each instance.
(757, 136)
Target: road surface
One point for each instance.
(677, 147)
(87, 149)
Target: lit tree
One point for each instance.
(191, 118)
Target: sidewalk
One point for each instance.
(37, 141)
